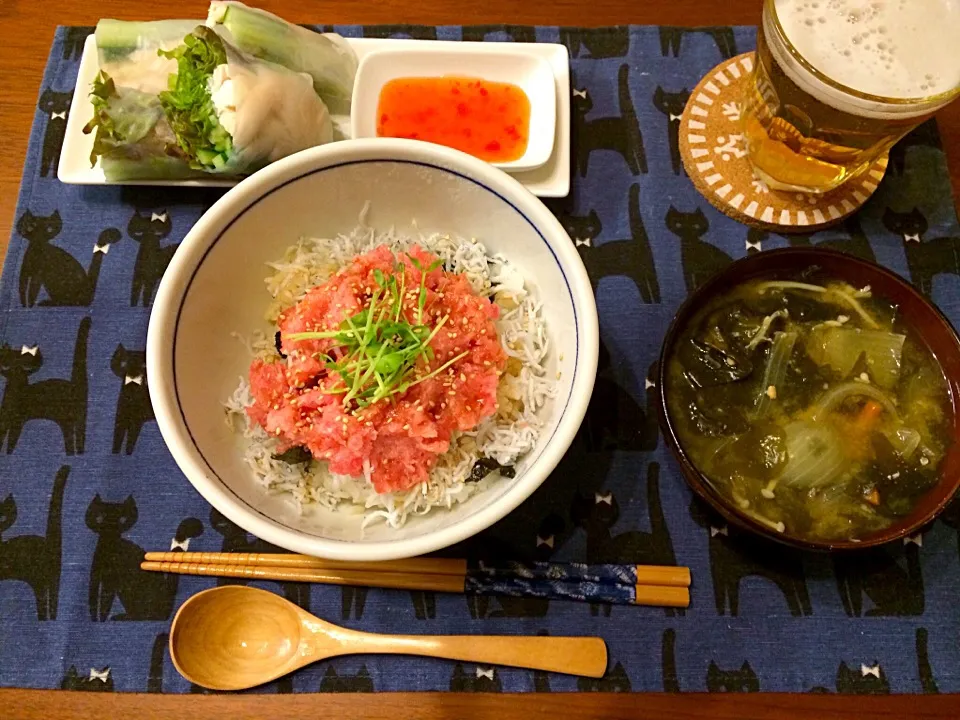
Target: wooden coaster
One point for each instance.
(714, 156)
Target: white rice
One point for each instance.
(506, 436)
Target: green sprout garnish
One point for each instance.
(382, 354)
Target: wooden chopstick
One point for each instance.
(427, 565)
(665, 575)
(469, 583)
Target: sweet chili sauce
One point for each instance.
(490, 120)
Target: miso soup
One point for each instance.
(812, 406)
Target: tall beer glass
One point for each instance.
(837, 82)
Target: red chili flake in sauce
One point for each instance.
(490, 120)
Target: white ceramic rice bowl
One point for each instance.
(214, 287)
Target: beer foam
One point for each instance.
(903, 49)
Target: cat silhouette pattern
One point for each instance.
(56, 106)
(94, 681)
(352, 602)
(502, 606)
(334, 681)
(893, 587)
(672, 105)
(734, 558)
(157, 658)
(743, 679)
(236, 539)
(516, 33)
(620, 133)
(149, 229)
(925, 135)
(34, 559)
(614, 419)
(115, 572)
(73, 41)
(482, 679)
(668, 661)
(133, 402)
(672, 37)
(64, 401)
(413, 32)
(855, 241)
(926, 258)
(54, 270)
(615, 680)
(631, 258)
(598, 514)
(596, 43)
(951, 518)
(872, 679)
(700, 259)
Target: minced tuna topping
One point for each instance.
(382, 364)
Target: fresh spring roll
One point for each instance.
(224, 112)
(326, 57)
(133, 138)
(127, 51)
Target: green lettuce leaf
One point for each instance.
(120, 118)
(187, 104)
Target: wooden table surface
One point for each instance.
(26, 31)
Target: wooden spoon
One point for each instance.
(237, 637)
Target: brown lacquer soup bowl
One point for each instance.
(919, 321)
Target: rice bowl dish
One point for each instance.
(459, 423)
(214, 293)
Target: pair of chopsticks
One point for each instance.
(665, 586)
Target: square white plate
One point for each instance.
(493, 62)
(549, 180)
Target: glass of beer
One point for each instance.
(837, 82)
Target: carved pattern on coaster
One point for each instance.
(714, 156)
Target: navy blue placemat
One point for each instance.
(86, 483)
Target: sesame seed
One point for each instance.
(452, 392)
(463, 378)
(486, 363)
(406, 427)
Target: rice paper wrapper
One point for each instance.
(326, 57)
(128, 51)
(278, 112)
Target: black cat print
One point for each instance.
(927, 258)
(596, 43)
(620, 133)
(115, 572)
(700, 259)
(672, 104)
(55, 106)
(515, 33)
(149, 229)
(54, 272)
(631, 258)
(62, 400)
(35, 559)
(672, 37)
(133, 402)
(236, 539)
